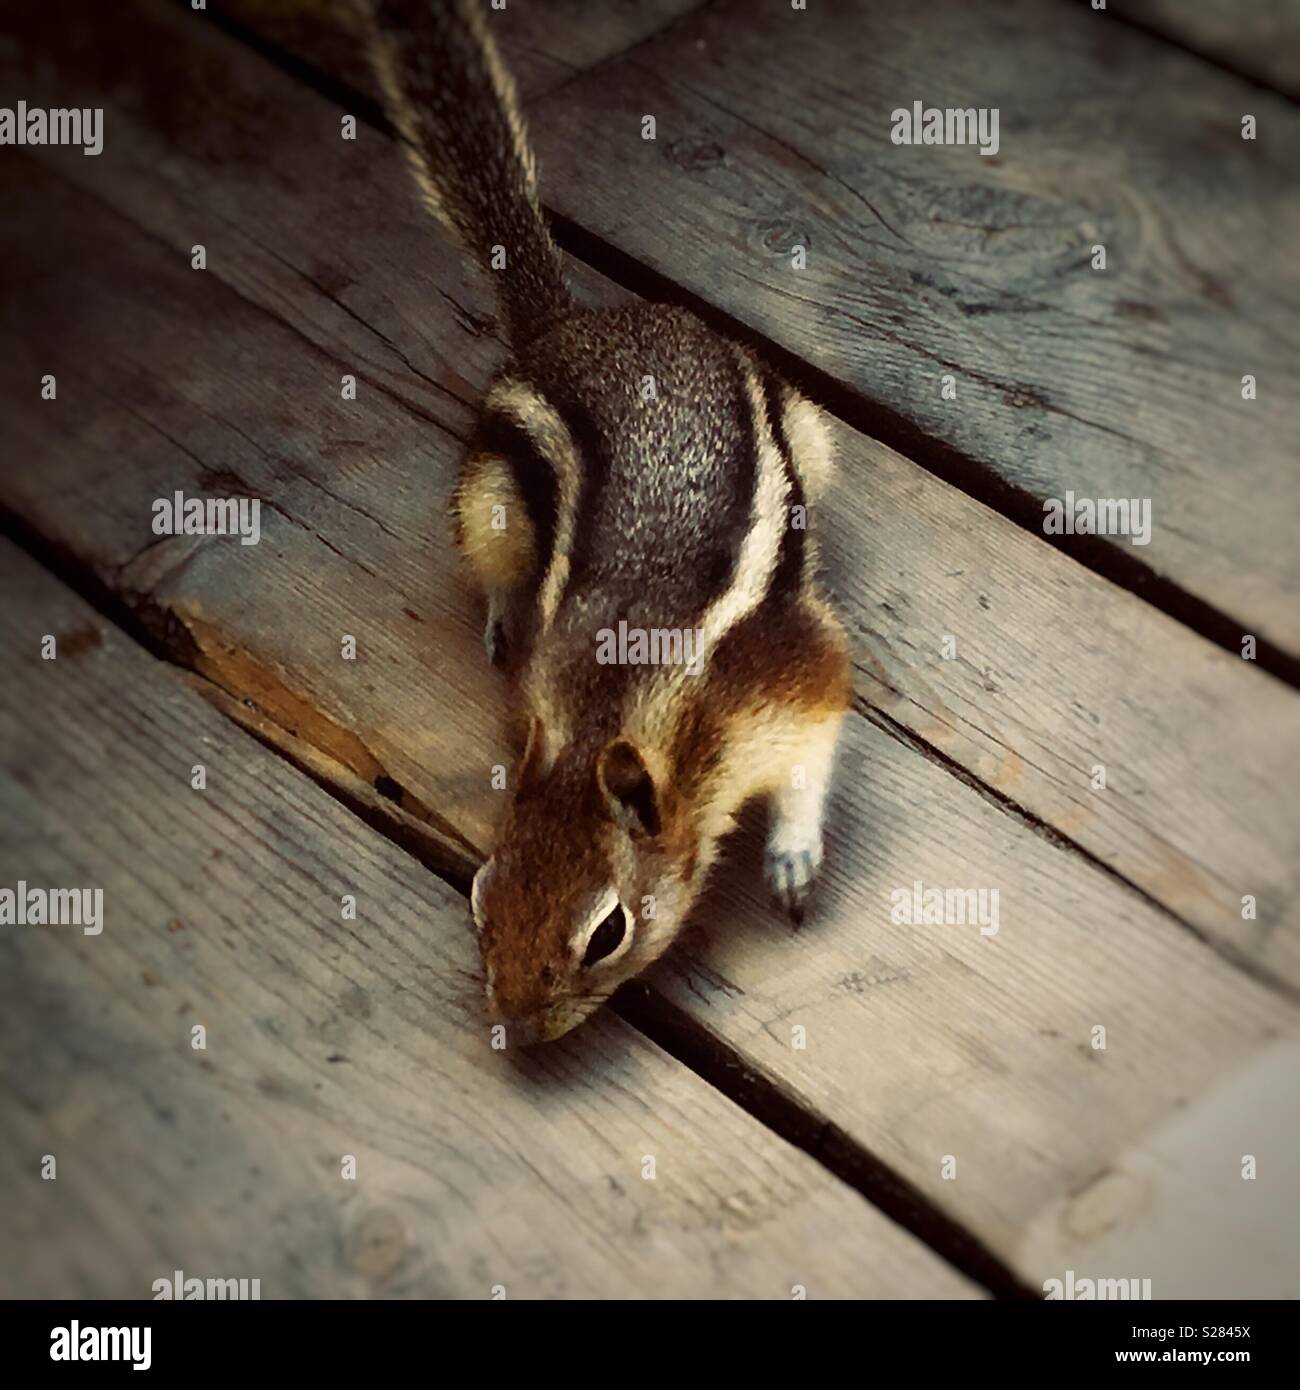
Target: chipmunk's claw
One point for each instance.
(790, 876)
(494, 641)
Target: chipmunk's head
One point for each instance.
(589, 884)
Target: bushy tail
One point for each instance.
(456, 108)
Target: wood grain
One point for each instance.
(926, 262)
(324, 1038)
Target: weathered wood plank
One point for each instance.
(1196, 1163)
(1036, 696)
(222, 908)
(932, 261)
(545, 42)
(416, 699)
(972, 1040)
(1261, 40)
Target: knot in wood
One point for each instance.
(693, 155)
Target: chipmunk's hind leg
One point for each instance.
(794, 840)
(496, 536)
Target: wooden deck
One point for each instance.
(951, 1127)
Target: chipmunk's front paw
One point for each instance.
(790, 867)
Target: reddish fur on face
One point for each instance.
(561, 847)
(529, 910)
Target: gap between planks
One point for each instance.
(715, 1062)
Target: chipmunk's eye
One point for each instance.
(607, 937)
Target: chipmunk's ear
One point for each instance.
(628, 788)
(532, 766)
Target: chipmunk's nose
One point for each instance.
(529, 1018)
(524, 1032)
(527, 1030)
(523, 1029)
(539, 1028)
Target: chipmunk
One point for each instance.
(630, 471)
